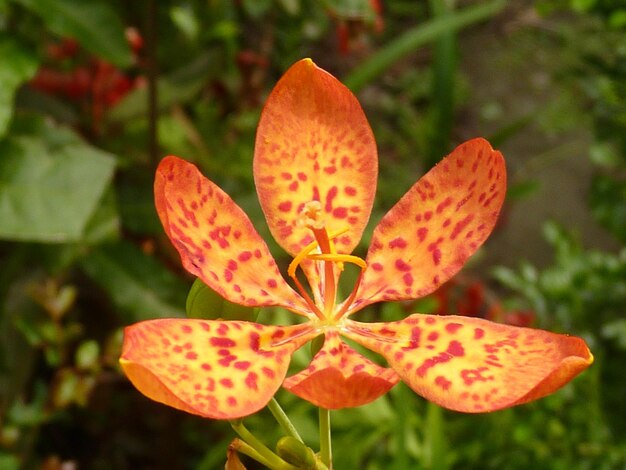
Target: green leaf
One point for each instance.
(93, 23)
(204, 302)
(18, 65)
(50, 184)
(423, 34)
(136, 283)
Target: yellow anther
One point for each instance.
(360, 262)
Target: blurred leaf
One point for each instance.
(9, 462)
(183, 17)
(204, 302)
(50, 184)
(408, 42)
(88, 355)
(178, 87)
(18, 65)
(522, 189)
(607, 198)
(93, 23)
(137, 284)
(136, 201)
(443, 84)
(57, 108)
(104, 224)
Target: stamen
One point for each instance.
(293, 266)
(339, 259)
(329, 257)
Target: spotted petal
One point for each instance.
(437, 225)
(215, 369)
(216, 240)
(314, 143)
(473, 365)
(339, 377)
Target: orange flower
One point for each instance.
(315, 168)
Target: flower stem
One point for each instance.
(325, 442)
(283, 419)
(271, 460)
(245, 448)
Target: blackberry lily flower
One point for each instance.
(315, 169)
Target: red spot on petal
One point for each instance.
(402, 266)
(436, 256)
(285, 206)
(269, 373)
(453, 327)
(456, 349)
(242, 365)
(251, 381)
(421, 233)
(377, 266)
(191, 355)
(350, 191)
(460, 226)
(398, 242)
(278, 334)
(340, 212)
(186, 329)
(408, 279)
(227, 383)
(244, 256)
(443, 382)
(231, 401)
(255, 341)
(222, 342)
(330, 195)
(479, 333)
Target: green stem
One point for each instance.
(283, 419)
(325, 443)
(251, 452)
(272, 460)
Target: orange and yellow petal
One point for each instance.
(473, 365)
(314, 143)
(216, 240)
(437, 225)
(215, 369)
(339, 377)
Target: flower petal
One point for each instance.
(314, 143)
(339, 377)
(473, 365)
(216, 369)
(437, 225)
(216, 240)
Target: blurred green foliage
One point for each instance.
(83, 254)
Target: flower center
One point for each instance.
(323, 250)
